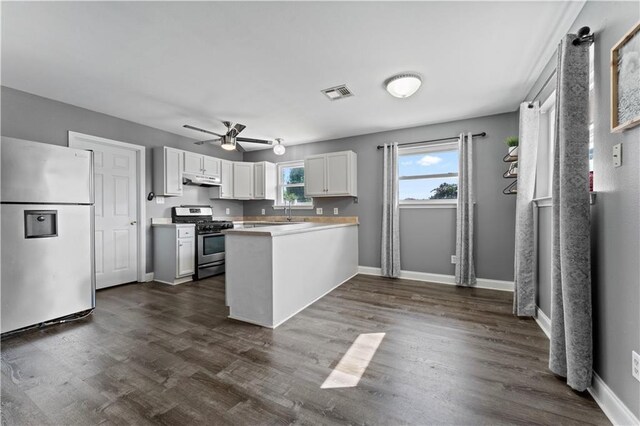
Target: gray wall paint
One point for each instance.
(615, 217)
(26, 116)
(427, 235)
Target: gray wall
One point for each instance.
(616, 216)
(427, 235)
(26, 116)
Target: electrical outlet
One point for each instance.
(227, 210)
(263, 212)
(319, 210)
(454, 259)
(635, 365)
(335, 210)
(617, 155)
(159, 200)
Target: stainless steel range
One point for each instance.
(209, 238)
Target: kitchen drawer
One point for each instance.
(186, 232)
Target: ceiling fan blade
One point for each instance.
(207, 141)
(239, 147)
(186, 126)
(262, 141)
(239, 127)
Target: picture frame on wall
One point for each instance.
(625, 81)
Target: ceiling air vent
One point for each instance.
(337, 92)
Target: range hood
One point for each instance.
(200, 180)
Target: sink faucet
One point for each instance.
(289, 213)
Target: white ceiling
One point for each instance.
(264, 63)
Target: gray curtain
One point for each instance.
(390, 260)
(571, 353)
(465, 269)
(524, 295)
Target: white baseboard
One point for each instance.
(148, 277)
(543, 322)
(440, 278)
(607, 400)
(176, 281)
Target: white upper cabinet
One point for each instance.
(264, 181)
(225, 190)
(314, 171)
(201, 164)
(168, 166)
(193, 162)
(331, 175)
(211, 166)
(242, 181)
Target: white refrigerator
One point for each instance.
(47, 233)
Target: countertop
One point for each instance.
(271, 229)
(162, 224)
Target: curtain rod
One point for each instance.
(477, 135)
(535, 98)
(583, 37)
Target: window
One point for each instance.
(547, 134)
(546, 139)
(291, 185)
(428, 175)
(592, 109)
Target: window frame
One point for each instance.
(279, 201)
(546, 136)
(438, 203)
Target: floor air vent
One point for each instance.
(337, 92)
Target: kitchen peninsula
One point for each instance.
(273, 272)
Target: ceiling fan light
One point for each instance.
(403, 85)
(279, 149)
(228, 143)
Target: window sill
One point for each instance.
(293, 207)
(430, 205)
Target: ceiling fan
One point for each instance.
(228, 141)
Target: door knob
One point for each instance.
(134, 222)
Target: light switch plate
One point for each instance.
(319, 210)
(159, 200)
(335, 210)
(617, 155)
(227, 210)
(263, 212)
(635, 365)
(454, 259)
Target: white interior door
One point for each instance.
(115, 180)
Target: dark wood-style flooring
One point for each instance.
(153, 353)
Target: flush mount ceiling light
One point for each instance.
(403, 85)
(279, 149)
(228, 142)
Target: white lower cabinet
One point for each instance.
(186, 257)
(174, 253)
